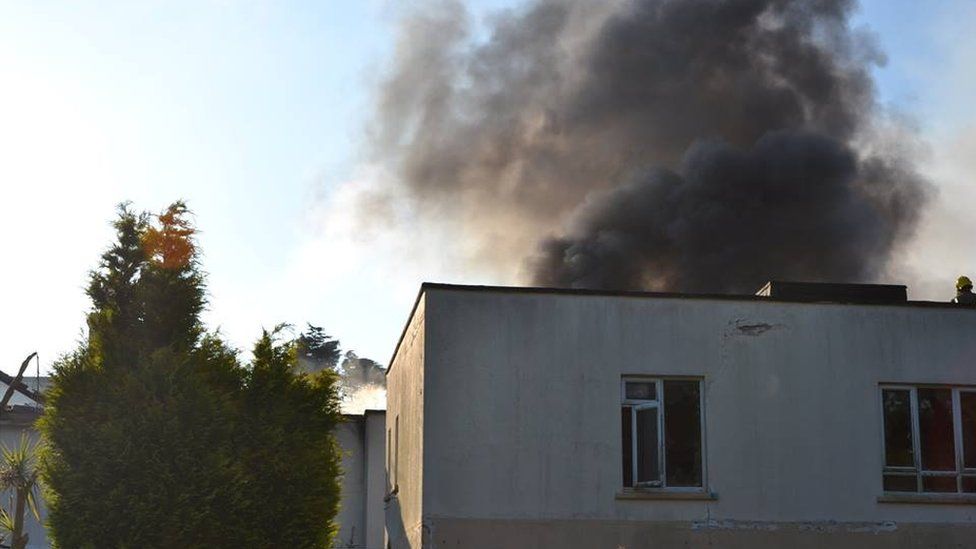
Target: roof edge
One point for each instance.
(426, 286)
(674, 295)
(403, 333)
(366, 412)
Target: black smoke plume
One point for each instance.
(651, 144)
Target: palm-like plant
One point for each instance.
(18, 473)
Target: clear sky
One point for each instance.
(253, 111)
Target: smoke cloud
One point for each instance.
(362, 384)
(693, 145)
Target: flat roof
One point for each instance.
(656, 295)
(672, 295)
(366, 412)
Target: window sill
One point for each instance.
(964, 499)
(667, 495)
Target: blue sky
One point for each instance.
(253, 112)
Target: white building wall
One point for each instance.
(375, 422)
(522, 406)
(361, 514)
(405, 403)
(352, 507)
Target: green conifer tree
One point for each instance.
(316, 350)
(153, 434)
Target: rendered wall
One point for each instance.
(405, 400)
(522, 413)
(352, 509)
(375, 422)
(361, 515)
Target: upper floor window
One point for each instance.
(929, 439)
(661, 431)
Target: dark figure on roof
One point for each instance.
(964, 292)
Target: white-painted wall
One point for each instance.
(375, 421)
(405, 402)
(360, 518)
(352, 507)
(521, 403)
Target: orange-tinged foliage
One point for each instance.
(170, 245)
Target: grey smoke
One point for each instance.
(358, 372)
(362, 384)
(651, 144)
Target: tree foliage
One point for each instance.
(158, 436)
(316, 351)
(357, 372)
(288, 414)
(18, 474)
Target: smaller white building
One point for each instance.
(361, 514)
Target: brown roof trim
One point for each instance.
(22, 388)
(657, 295)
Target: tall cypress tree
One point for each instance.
(316, 350)
(285, 413)
(150, 423)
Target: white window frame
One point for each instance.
(916, 470)
(658, 402)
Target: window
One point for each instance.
(929, 439)
(661, 433)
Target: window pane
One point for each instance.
(647, 456)
(939, 484)
(935, 429)
(898, 428)
(897, 483)
(967, 401)
(969, 484)
(627, 448)
(682, 433)
(641, 390)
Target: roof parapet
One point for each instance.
(832, 292)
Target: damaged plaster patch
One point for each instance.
(752, 328)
